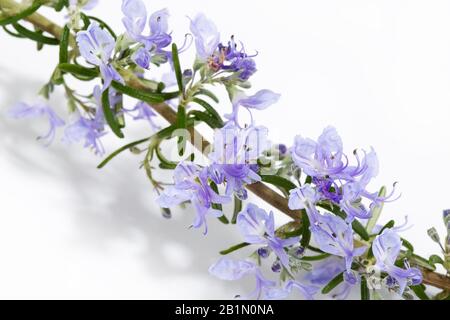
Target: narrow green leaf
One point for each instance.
(168, 131)
(435, 259)
(60, 5)
(422, 262)
(145, 96)
(388, 225)
(207, 93)
(177, 67)
(237, 209)
(109, 115)
(11, 33)
(206, 118)
(25, 13)
(306, 233)
(77, 70)
(376, 212)
(280, 182)
(365, 293)
(333, 283)
(64, 45)
(168, 165)
(407, 245)
(234, 248)
(181, 124)
(316, 258)
(210, 110)
(35, 35)
(120, 150)
(419, 290)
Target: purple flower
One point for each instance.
(233, 59)
(334, 236)
(144, 112)
(89, 130)
(322, 158)
(325, 271)
(207, 37)
(260, 101)
(232, 270)
(135, 21)
(215, 54)
(246, 67)
(96, 46)
(234, 145)
(142, 58)
(306, 291)
(234, 156)
(304, 197)
(191, 184)
(258, 227)
(40, 109)
(386, 248)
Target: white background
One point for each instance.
(379, 71)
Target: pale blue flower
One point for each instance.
(191, 184)
(325, 271)
(304, 197)
(259, 101)
(232, 270)
(96, 46)
(307, 291)
(206, 35)
(142, 58)
(320, 159)
(135, 21)
(144, 112)
(39, 109)
(386, 248)
(334, 236)
(234, 156)
(258, 227)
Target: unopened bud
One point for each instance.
(434, 235)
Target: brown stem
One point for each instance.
(259, 189)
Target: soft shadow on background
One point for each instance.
(103, 208)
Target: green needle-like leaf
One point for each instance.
(64, 46)
(237, 209)
(79, 71)
(145, 96)
(333, 283)
(210, 110)
(25, 13)
(120, 150)
(279, 182)
(207, 93)
(109, 115)
(177, 67)
(35, 35)
(419, 290)
(365, 293)
(234, 248)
